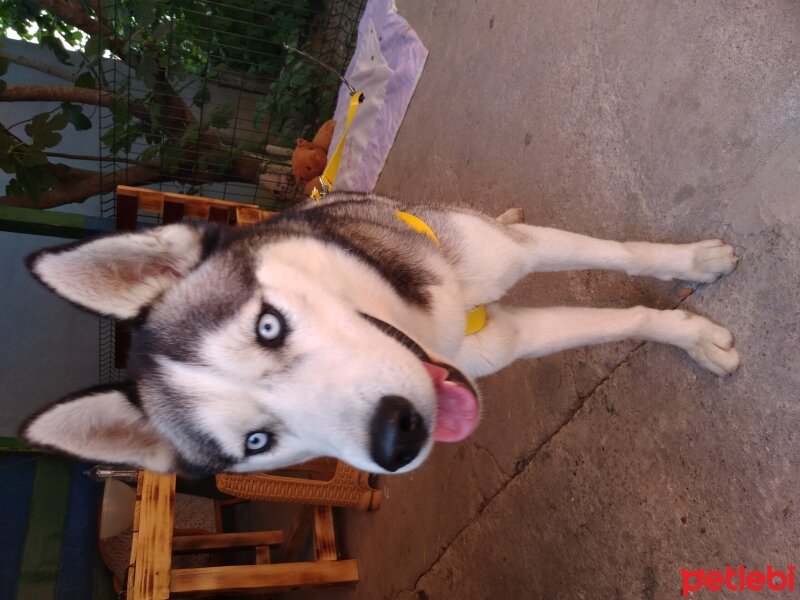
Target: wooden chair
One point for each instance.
(151, 575)
(336, 484)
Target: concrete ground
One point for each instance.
(600, 473)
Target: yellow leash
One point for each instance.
(329, 174)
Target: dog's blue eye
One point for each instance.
(271, 327)
(257, 442)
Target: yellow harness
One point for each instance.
(476, 318)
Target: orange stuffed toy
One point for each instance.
(309, 158)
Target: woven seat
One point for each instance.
(338, 484)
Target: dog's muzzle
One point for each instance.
(397, 433)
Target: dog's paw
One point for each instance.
(512, 216)
(710, 259)
(713, 347)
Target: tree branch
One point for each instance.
(79, 185)
(175, 109)
(74, 14)
(94, 159)
(63, 93)
(54, 70)
(55, 93)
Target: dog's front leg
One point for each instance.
(512, 333)
(547, 249)
(491, 259)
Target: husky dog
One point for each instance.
(335, 329)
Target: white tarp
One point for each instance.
(386, 67)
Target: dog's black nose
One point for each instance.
(398, 433)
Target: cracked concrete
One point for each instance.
(601, 472)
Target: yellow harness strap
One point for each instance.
(476, 318)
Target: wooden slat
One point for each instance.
(147, 200)
(219, 214)
(250, 539)
(148, 196)
(127, 207)
(273, 577)
(324, 536)
(173, 213)
(154, 540)
(153, 196)
(122, 343)
(197, 210)
(134, 546)
(300, 532)
(262, 555)
(174, 197)
(248, 216)
(151, 203)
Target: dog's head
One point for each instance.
(245, 356)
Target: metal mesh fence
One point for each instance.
(206, 101)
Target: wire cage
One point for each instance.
(205, 100)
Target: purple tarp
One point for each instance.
(386, 67)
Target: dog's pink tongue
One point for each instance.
(456, 407)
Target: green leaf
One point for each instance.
(47, 139)
(190, 136)
(172, 156)
(58, 121)
(8, 161)
(221, 116)
(54, 44)
(15, 188)
(37, 125)
(31, 182)
(161, 32)
(144, 12)
(74, 113)
(202, 96)
(94, 46)
(146, 71)
(86, 80)
(42, 129)
(149, 153)
(3, 65)
(177, 71)
(6, 144)
(34, 157)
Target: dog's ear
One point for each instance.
(118, 275)
(100, 424)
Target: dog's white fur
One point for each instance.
(318, 392)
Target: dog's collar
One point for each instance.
(476, 318)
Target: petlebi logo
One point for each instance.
(738, 579)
